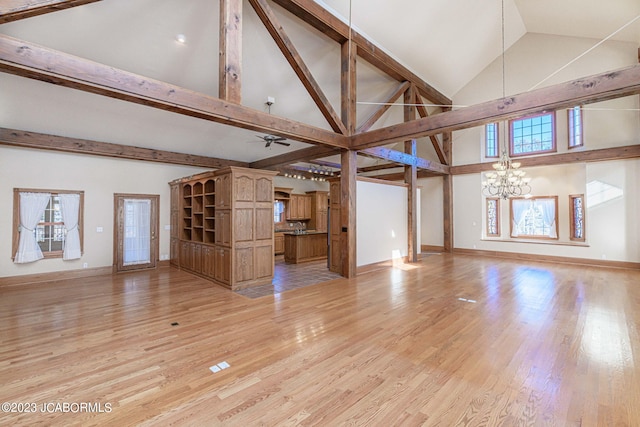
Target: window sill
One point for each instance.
(536, 241)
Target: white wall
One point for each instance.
(611, 228)
(99, 178)
(381, 222)
(431, 212)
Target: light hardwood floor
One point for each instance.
(452, 340)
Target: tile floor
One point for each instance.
(291, 276)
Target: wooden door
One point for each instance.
(135, 231)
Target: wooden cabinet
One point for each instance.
(222, 260)
(174, 215)
(224, 226)
(299, 207)
(319, 204)
(278, 243)
(305, 247)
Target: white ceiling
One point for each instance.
(446, 42)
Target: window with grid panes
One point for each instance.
(491, 140)
(532, 135)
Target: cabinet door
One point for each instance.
(306, 202)
(263, 261)
(278, 244)
(244, 188)
(244, 267)
(264, 190)
(208, 261)
(196, 257)
(292, 208)
(222, 265)
(321, 221)
(301, 207)
(223, 191)
(223, 227)
(174, 252)
(185, 255)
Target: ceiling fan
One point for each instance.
(272, 139)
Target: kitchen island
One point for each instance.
(306, 246)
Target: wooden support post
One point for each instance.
(348, 234)
(447, 195)
(348, 86)
(411, 178)
(230, 61)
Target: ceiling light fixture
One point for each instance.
(507, 180)
(181, 38)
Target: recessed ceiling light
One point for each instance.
(181, 38)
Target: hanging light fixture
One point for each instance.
(507, 180)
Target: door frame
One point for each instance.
(118, 231)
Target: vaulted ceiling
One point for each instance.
(444, 42)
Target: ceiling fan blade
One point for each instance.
(282, 143)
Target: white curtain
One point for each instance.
(70, 209)
(520, 208)
(549, 214)
(32, 206)
(137, 231)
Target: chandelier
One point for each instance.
(507, 180)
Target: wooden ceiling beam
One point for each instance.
(599, 155)
(230, 57)
(15, 10)
(27, 59)
(399, 176)
(41, 141)
(422, 111)
(404, 159)
(384, 107)
(326, 164)
(294, 59)
(600, 87)
(324, 21)
(303, 155)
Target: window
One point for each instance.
(576, 210)
(493, 217)
(491, 140)
(51, 221)
(534, 217)
(532, 135)
(278, 211)
(50, 228)
(574, 121)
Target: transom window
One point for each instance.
(534, 217)
(491, 140)
(532, 135)
(574, 121)
(576, 210)
(493, 217)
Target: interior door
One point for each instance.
(136, 231)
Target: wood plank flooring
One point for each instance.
(451, 340)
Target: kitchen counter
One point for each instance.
(308, 246)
